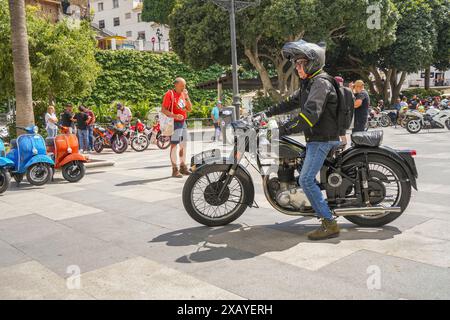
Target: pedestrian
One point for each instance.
(82, 120)
(90, 128)
(215, 117)
(413, 103)
(67, 119)
(124, 114)
(176, 104)
(318, 119)
(50, 122)
(362, 103)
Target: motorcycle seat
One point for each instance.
(13, 143)
(368, 138)
(49, 142)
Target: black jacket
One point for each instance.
(318, 102)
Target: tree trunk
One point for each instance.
(21, 61)
(263, 73)
(397, 86)
(427, 78)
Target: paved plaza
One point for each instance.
(125, 231)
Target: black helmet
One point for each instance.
(315, 54)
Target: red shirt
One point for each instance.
(177, 101)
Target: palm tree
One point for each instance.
(21, 61)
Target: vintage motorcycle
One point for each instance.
(432, 119)
(368, 184)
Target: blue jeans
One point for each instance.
(51, 133)
(316, 153)
(91, 137)
(83, 139)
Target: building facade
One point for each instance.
(122, 19)
(48, 8)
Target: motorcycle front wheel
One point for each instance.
(385, 121)
(74, 171)
(119, 144)
(39, 174)
(201, 195)
(5, 178)
(413, 126)
(140, 143)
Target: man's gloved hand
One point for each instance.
(284, 128)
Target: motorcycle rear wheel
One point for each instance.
(5, 179)
(200, 196)
(163, 142)
(98, 144)
(387, 172)
(385, 121)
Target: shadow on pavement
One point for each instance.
(140, 182)
(239, 241)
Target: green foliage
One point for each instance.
(62, 57)
(262, 102)
(157, 10)
(421, 93)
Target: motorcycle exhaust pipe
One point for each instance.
(368, 211)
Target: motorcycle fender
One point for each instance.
(38, 159)
(387, 152)
(5, 162)
(241, 169)
(72, 157)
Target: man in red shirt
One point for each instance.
(176, 104)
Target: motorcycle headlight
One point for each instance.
(69, 150)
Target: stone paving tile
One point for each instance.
(48, 206)
(434, 228)
(144, 194)
(8, 211)
(106, 226)
(141, 278)
(10, 255)
(403, 278)
(31, 280)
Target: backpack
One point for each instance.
(346, 102)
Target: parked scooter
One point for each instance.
(155, 136)
(5, 165)
(432, 119)
(29, 155)
(64, 151)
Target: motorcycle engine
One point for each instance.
(286, 191)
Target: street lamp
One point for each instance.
(232, 6)
(159, 35)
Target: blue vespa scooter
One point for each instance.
(28, 152)
(5, 165)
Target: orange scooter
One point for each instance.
(64, 150)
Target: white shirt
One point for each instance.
(49, 124)
(125, 115)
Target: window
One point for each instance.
(101, 24)
(139, 17)
(115, 3)
(100, 6)
(141, 35)
(116, 22)
(129, 34)
(128, 15)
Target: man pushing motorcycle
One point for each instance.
(318, 101)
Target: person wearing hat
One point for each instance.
(318, 101)
(215, 116)
(123, 114)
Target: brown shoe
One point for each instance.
(184, 170)
(176, 173)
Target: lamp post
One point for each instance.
(159, 35)
(232, 6)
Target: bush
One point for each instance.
(261, 102)
(421, 93)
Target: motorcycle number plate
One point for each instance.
(211, 155)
